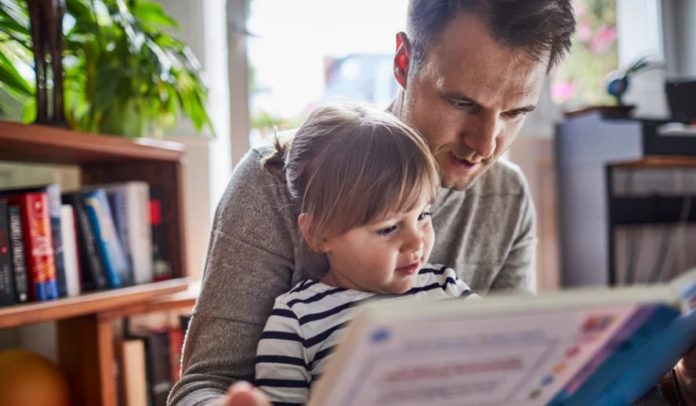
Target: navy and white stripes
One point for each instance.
(307, 322)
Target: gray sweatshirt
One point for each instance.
(486, 233)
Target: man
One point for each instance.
(470, 71)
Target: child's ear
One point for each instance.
(303, 222)
(321, 246)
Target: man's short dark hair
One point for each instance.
(536, 26)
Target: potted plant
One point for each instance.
(124, 73)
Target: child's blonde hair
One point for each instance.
(349, 165)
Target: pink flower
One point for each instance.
(601, 43)
(562, 91)
(579, 8)
(584, 32)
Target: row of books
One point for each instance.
(55, 245)
(149, 362)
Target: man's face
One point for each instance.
(470, 97)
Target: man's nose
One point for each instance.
(481, 137)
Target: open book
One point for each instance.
(580, 347)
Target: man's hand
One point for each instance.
(243, 394)
(686, 376)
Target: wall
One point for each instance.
(208, 158)
(679, 21)
(640, 34)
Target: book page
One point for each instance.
(520, 359)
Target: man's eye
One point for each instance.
(386, 230)
(462, 104)
(424, 215)
(515, 114)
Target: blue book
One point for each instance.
(110, 249)
(119, 210)
(594, 346)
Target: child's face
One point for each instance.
(382, 257)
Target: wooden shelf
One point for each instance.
(89, 303)
(51, 145)
(85, 324)
(175, 301)
(666, 161)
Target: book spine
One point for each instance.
(114, 260)
(140, 234)
(7, 290)
(160, 256)
(93, 273)
(119, 212)
(133, 372)
(159, 370)
(176, 343)
(38, 245)
(19, 264)
(53, 194)
(71, 259)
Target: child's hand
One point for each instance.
(686, 372)
(243, 394)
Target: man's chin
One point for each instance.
(459, 182)
(458, 174)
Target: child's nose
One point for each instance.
(413, 241)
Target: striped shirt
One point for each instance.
(306, 324)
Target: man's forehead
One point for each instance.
(467, 39)
(467, 58)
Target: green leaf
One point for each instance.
(17, 29)
(123, 73)
(153, 16)
(15, 11)
(10, 77)
(29, 111)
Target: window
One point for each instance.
(580, 79)
(305, 52)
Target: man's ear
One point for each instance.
(303, 222)
(402, 59)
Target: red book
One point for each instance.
(38, 244)
(176, 342)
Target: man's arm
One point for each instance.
(249, 263)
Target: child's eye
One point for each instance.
(424, 215)
(386, 230)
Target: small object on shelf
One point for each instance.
(28, 379)
(618, 81)
(681, 99)
(46, 20)
(607, 112)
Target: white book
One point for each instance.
(133, 372)
(138, 238)
(583, 347)
(70, 255)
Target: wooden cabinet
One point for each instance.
(84, 323)
(598, 160)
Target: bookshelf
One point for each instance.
(85, 323)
